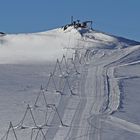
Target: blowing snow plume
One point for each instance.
(36, 47)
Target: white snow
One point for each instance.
(25, 48)
(93, 93)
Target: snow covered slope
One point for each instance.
(47, 46)
(90, 92)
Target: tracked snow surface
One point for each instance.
(73, 84)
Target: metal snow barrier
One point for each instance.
(67, 65)
(51, 82)
(66, 88)
(48, 106)
(58, 75)
(40, 107)
(73, 66)
(63, 84)
(76, 57)
(59, 81)
(57, 69)
(54, 108)
(21, 123)
(64, 65)
(79, 59)
(10, 129)
(41, 93)
(35, 132)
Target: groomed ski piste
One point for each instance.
(73, 84)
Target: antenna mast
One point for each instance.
(71, 19)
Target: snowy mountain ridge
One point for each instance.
(88, 80)
(43, 46)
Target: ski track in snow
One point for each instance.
(100, 97)
(103, 105)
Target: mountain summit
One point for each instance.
(46, 46)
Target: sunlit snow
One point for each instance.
(73, 84)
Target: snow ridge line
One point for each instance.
(111, 82)
(113, 92)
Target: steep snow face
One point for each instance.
(47, 46)
(105, 41)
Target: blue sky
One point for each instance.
(118, 17)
